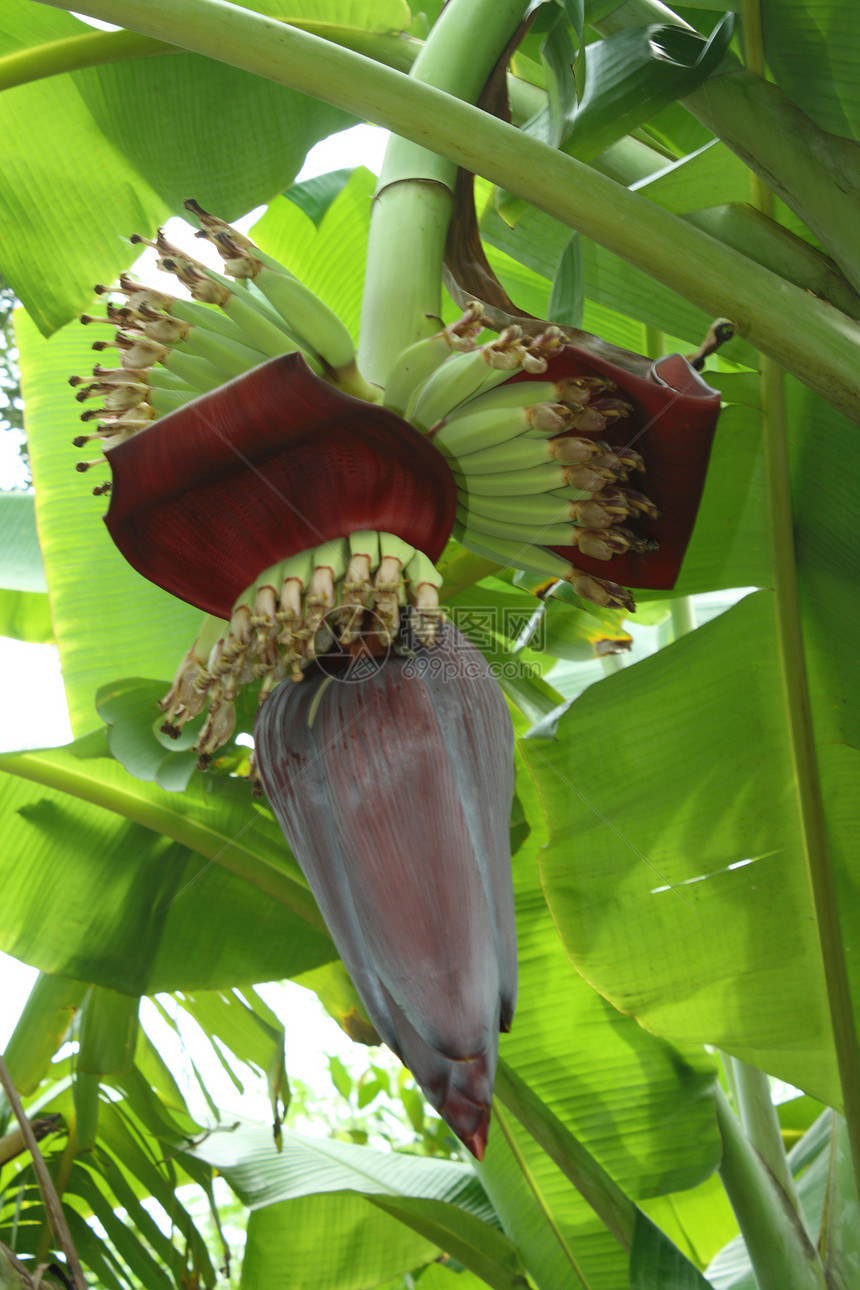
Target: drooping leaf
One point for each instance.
(109, 896)
(634, 73)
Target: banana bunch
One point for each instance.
(341, 595)
(530, 471)
(171, 349)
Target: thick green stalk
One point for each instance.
(412, 208)
(779, 1249)
(758, 1116)
(809, 337)
(159, 817)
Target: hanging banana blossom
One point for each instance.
(254, 475)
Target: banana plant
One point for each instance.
(658, 235)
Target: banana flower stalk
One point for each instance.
(255, 475)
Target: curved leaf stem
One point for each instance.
(159, 817)
(751, 1091)
(75, 52)
(812, 339)
(522, 1165)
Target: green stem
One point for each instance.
(751, 1090)
(412, 209)
(809, 337)
(229, 853)
(779, 1249)
(74, 52)
(683, 612)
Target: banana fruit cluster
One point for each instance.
(171, 349)
(530, 472)
(338, 594)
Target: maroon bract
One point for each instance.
(268, 465)
(394, 793)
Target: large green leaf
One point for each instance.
(96, 155)
(263, 1175)
(333, 1241)
(813, 48)
(488, 1252)
(131, 886)
(616, 1088)
(688, 901)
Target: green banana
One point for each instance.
(165, 401)
(551, 534)
(513, 483)
(198, 372)
(229, 356)
(415, 364)
(460, 377)
(208, 317)
(534, 510)
(316, 326)
(516, 394)
(262, 329)
(517, 555)
(520, 453)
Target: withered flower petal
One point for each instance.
(394, 793)
(268, 465)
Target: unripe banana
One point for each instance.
(165, 401)
(229, 356)
(412, 368)
(551, 534)
(509, 395)
(517, 555)
(417, 362)
(316, 326)
(535, 510)
(269, 336)
(209, 318)
(198, 372)
(513, 483)
(520, 453)
(462, 377)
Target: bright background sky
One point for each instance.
(34, 711)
